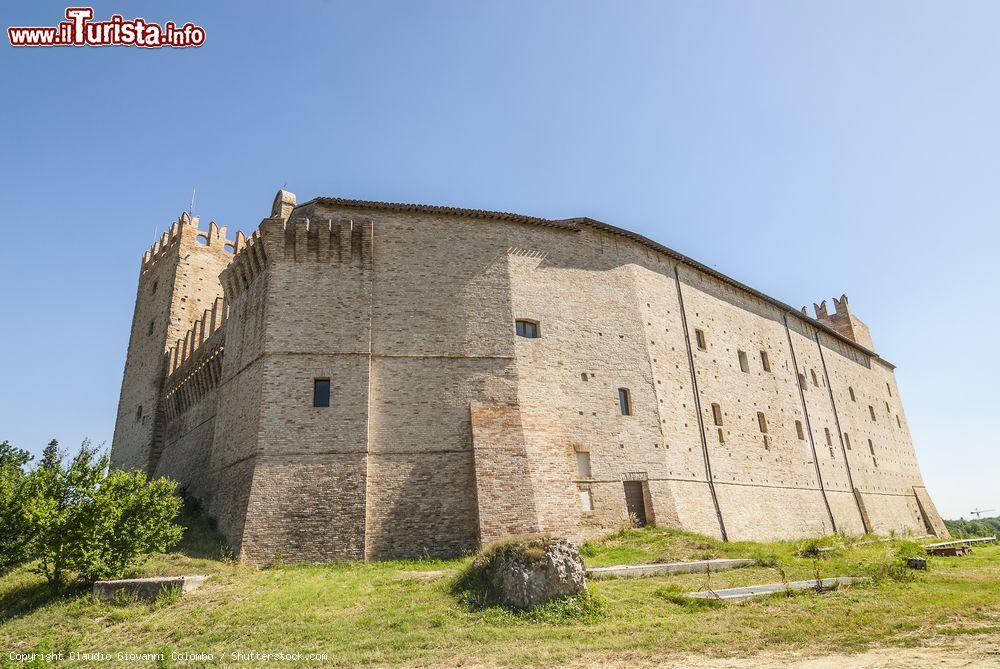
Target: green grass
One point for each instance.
(404, 613)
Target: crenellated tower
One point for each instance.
(178, 283)
(843, 321)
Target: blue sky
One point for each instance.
(805, 148)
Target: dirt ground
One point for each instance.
(950, 652)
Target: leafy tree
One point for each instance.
(51, 457)
(131, 517)
(13, 457)
(981, 527)
(13, 525)
(58, 497)
(97, 523)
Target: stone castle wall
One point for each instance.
(446, 430)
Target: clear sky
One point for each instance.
(808, 149)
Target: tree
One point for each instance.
(97, 523)
(13, 457)
(51, 457)
(131, 518)
(57, 500)
(13, 525)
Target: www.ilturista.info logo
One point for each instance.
(79, 30)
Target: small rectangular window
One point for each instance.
(850, 390)
(829, 442)
(798, 430)
(583, 464)
(744, 363)
(526, 329)
(717, 414)
(624, 402)
(871, 410)
(321, 392)
(802, 381)
(847, 441)
(699, 337)
(762, 422)
(586, 500)
(815, 379)
(765, 362)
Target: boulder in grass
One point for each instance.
(523, 572)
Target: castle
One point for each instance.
(365, 380)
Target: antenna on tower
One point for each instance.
(978, 513)
(191, 206)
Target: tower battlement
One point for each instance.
(843, 321)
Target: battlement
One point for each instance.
(346, 241)
(186, 227)
(211, 322)
(843, 321)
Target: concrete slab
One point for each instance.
(739, 594)
(147, 588)
(666, 568)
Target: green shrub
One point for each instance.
(82, 518)
(13, 525)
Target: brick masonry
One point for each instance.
(446, 430)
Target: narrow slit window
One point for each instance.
(722, 438)
(138, 412)
(625, 401)
(889, 388)
(717, 414)
(767, 443)
(871, 447)
(699, 338)
(762, 422)
(829, 441)
(798, 430)
(847, 441)
(898, 422)
(526, 329)
(744, 363)
(871, 410)
(152, 324)
(887, 409)
(815, 379)
(802, 381)
(765, 362)
(583, 464)
(321, 392)
(850, 391)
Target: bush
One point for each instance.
(82, 518)
(13, 525)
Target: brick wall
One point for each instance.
(445, 429)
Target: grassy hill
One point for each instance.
(402, 613)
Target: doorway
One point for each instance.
(635, 502)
